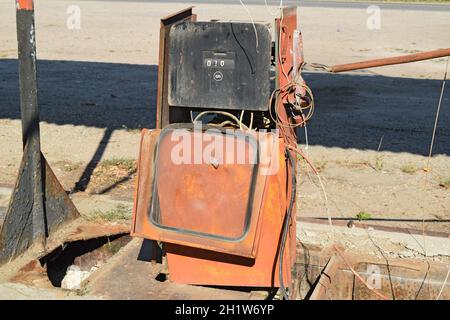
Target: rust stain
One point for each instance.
(24, 4)
(91, 230)
(32, 274)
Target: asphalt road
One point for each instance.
(312, 3)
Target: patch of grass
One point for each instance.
(112, 172)
(122, 163)
(379, 163)
(409, 168)
(362, 215)
(119, 213)
(445, 182)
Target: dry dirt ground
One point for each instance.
(369, 136)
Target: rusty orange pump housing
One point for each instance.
(219, 224)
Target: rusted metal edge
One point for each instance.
(85, 230)
(344, 280)
(324, 282)
(340, 223)
(76, 230)
(162, 106)
(177, 16)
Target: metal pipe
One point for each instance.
(390, 61)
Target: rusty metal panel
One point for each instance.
(418, 280)
(184, 191)
(192, 266)
(396, 278)
(162, 106)
(285, 28)
(244, 246)
(322, 288)
(288, 61)
(289, 58)
(144, 178)
(210, 197)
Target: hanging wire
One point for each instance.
(438, 111)
(253, 22)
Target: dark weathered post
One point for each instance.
(29, 110)
(38, 204)
(27, 72)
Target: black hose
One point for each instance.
(287, 220)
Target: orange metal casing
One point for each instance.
(253, 262)
(196, 260)
(182, 190)
(190, 266)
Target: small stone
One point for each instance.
(74, 277)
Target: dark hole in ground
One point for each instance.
(85, 254)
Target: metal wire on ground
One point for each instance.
(438, 111)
